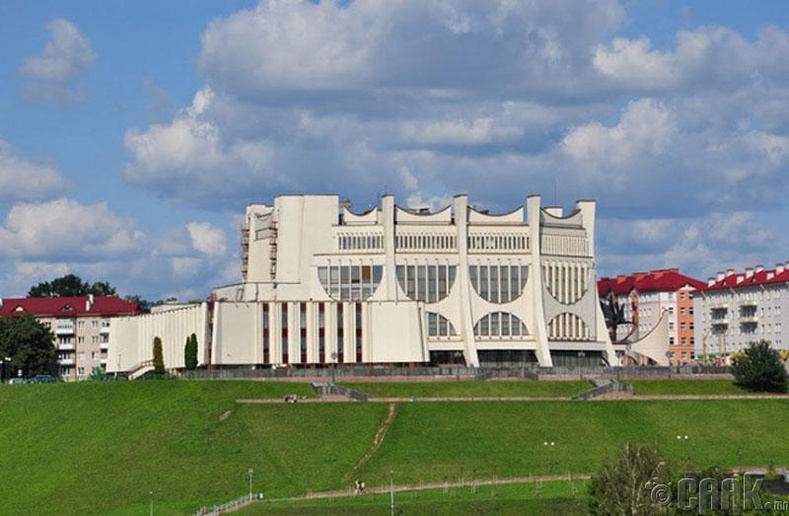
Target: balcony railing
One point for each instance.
(65, 346)
(66, 361)
(63, 328)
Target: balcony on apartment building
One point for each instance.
(64, 328)
(65, 346)
(105, 328)
(748, 302)
(66, 361)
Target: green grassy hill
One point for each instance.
(101, 448)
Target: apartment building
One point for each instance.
(646, 297)
(81, 326)
(737, 308)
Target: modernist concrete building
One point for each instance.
(323, 285)
(81, 326)
(645, 298)
(736, 309)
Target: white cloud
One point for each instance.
(65, 228)
(188, 160)
(207, 239)
(716, 57)
(459, 132)
(23, 179)
(645, 128)
(65, 58)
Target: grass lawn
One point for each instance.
(464, 389)
(546, 498)
(682, 386)
(101, 448)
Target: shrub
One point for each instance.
(759, 369)
(190, 352)
(158, 356)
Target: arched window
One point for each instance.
(499, 325)
(567, 326)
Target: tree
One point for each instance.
(158, 356)
(71, 285)
(190, 352)
(627, 485)
(759, 369)
(29, 344)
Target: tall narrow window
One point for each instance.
(358, 310)
(340, 334)
(303, 332)
(322, 333)
(284, 333)
(266, 336)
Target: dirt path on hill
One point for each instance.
(377, 441)
(423, 487)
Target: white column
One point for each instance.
(466, 317)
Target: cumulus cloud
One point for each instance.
(645, 129)
(190, 152)
(23, 179)
(358, 45)
(67, 229)
(715, 57)
(51, 74)
(207, 239)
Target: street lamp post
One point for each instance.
(391, 492)
(251, 472)
(682, 447)
(581, 356)
(549, 446)
(333, 366)
(150, 494)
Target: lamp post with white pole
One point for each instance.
(150, 494)
(391, 491)
(251, 472)
(549, 446)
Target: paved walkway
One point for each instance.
(341, 399)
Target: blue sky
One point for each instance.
(132, 134)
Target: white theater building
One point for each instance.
(324, 285)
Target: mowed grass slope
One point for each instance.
(439, 441)
(100, 448)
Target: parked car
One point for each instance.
(17, 380)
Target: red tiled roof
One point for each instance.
(665, 280)
(66, 306)
(750, 279)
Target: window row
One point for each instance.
(425, 241)
(498, 242)
(498, 283)
(567, 326)
(567, 283)
(427, 283)
(350, 282)
(352, 242)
